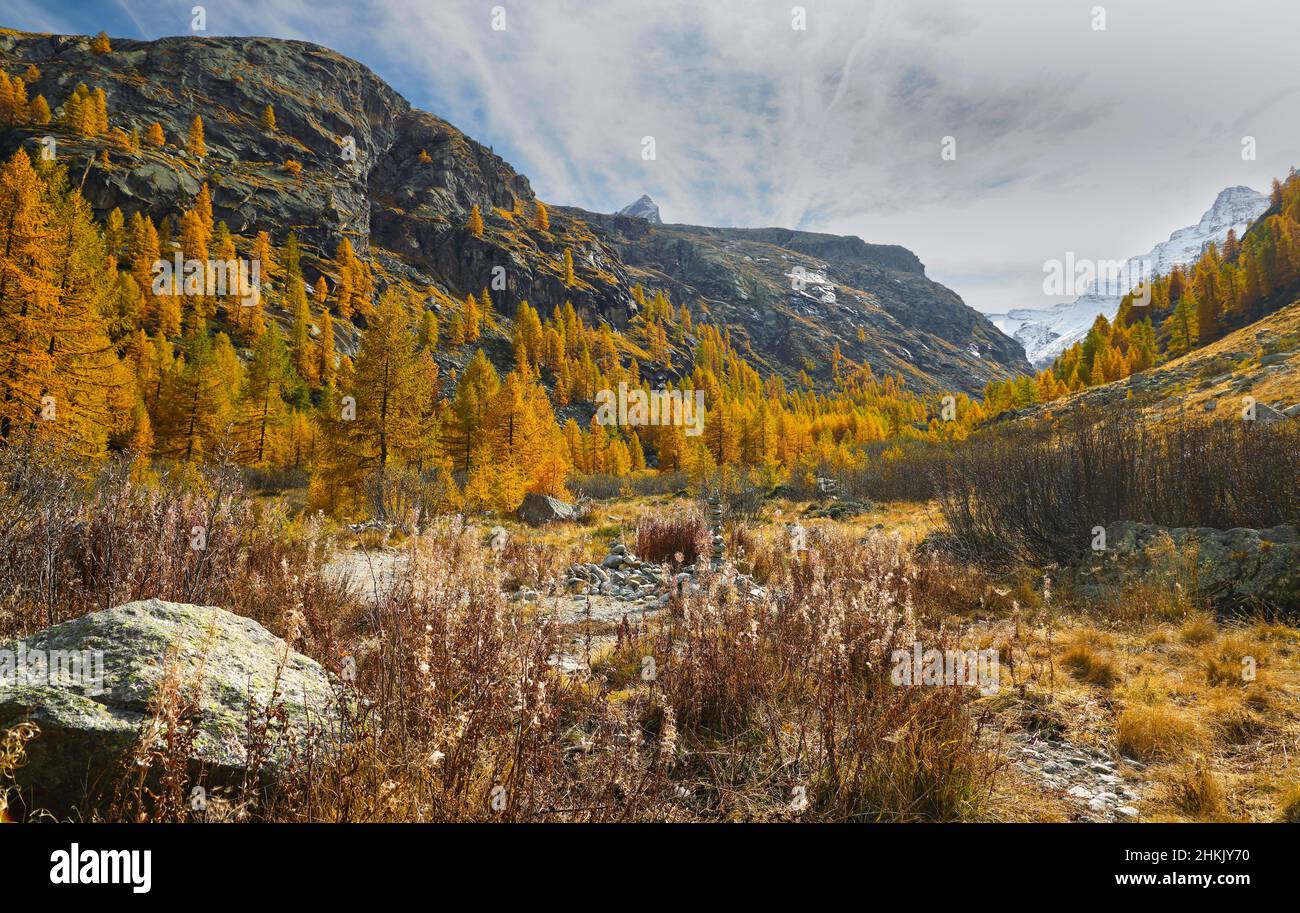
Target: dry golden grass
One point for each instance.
(1289, 808)
(1091, 665)
(1213, 744)
(1234, 660)
(1198, 630)
(1153, 732)
(1195, 791)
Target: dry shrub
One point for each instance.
(73, 542)
(13, 755)
(1157, 731)
(526, 562)
(155, 781)
(662, 536)
(796, 686)
(462, 717)
(1017, 491)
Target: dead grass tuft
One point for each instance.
(1152, 732)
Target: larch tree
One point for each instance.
(39, 111)
(195, 143)
(569, 277)
(264, 414)
(194, 408)
(28, 293)
(326, 368)
(390, 428)
(464, 433)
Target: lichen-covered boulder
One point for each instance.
(1234, 568)
(541, 509)
(87, 684)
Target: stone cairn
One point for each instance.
(622, 575)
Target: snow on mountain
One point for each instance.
(644, 208)
(1047, 332)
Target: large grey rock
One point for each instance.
(1233, 567)
(540, 509)
(87, 725)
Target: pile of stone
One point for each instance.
(715, 528)
(622, 575)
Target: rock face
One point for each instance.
(789, 297)
(541, 509)
(400, 183)
(1235, 568)
(86, 725)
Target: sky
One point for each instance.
(1068, 138)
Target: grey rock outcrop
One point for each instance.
(88, 722)
(541, 509)
(1233, 568)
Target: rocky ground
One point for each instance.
(623, 588)
(1091, 783)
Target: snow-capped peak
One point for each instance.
(1047, 332)
(644, 208)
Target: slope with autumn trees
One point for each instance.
(425, 333)
(1225, 295)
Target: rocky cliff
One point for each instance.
(400, 183)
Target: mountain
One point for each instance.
(791, 296)
(644, 208)
(1047, 332)
(400, 184)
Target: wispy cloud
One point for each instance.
(1067, 138)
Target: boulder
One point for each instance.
(541, 509)
(1267, 415)
(1234, 568)
(88, 721)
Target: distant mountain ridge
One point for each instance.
(1047, 332)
